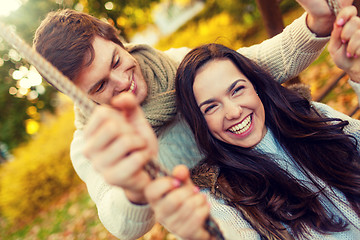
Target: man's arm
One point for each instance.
(290, 52)
(120, 217)
(119, 142)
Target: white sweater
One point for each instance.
(284, 56)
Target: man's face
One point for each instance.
(112, 71)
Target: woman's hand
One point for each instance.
(320, 18)
(344, 46)
(119, 141)
(178, 205)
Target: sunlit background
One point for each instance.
(41, 197)
(8, 6)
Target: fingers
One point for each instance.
(344, 46)
(189, 223)
(346, 25)
(102, 115)
(128, 173)
(353, 49)
(350, 35)
(348, 20)
(345, 3)
(112, 146)
(181, 172)
(178, 205)
(128, 105)
(116, 150)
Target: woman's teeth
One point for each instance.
(241, 127)
(132, 86)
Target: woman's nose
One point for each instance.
(232, 111)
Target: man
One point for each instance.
(89, 52)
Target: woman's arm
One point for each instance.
(288, 53)
(182, 209)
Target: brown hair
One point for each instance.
(65, 37)
(269, 194)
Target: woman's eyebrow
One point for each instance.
(207, 102)
(234, 84)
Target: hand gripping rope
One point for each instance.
(63, 84)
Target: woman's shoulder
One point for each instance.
(328, 111)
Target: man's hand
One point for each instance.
(320, 18)
(178, 205)
(344, 46)
(119, 141)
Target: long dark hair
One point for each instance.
(253, 180)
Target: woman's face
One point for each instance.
(231, 107)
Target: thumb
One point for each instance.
(126, 102)
(129, 106)
(345, 3)
(181, 172)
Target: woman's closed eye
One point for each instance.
(237, 90)
(209, 109)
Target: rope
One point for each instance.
(334, 6)
(65, 85)
(53, 76)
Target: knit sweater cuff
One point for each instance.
(137, 213)
(305, 39)
(356, 88)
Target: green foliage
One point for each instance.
(40, 172)
(240, 23)
(14, 107)
(232, 33)
(126, 15)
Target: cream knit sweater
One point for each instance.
(284, 56)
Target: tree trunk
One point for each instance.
(356, 3)
(272, 17)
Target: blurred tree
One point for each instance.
(241, 11)
(128, 16)
(271, 15)
(21, 105)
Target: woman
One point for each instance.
(276, 166)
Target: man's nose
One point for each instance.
(119, 83)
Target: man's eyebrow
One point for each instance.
(105, 78)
